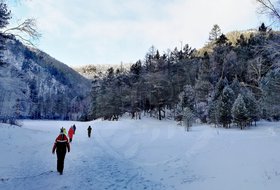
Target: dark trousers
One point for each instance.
(89, 134)
(60, 161)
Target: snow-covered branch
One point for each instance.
(26, 28)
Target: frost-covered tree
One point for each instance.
(187, 98)
(270, 8)
(213, 112)
(215, 33)
(203, 85)
(5, 16)
(271, 93)
(188, 118)
(160, 93)
(227, 100)
(251, 105)
(154, 84)
(240, 113)
(235, 86)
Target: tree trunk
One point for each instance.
(159, 113)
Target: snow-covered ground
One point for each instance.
(141, 154)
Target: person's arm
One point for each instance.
(68, 146)
(54, 147)
(67, 143)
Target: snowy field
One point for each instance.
(141, 154)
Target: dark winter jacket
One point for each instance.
(61, 144)
(74, 127)
(89, 129)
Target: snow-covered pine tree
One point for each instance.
(271, 90)
(202, 83)
(240, 112)
(188, 118)
(235, 86)
(252, 106)
(215, 102)
(227, 100)
(5, 16)
(213, 112)
(187, 97)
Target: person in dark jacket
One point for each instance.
(74, 128)
(89, 131)
(61, 145)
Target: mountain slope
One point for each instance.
(35, 85)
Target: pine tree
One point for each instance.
(227, 100)
(187, 98)
(235, 86)
(203, 85)
(221, 84)
(240, 112)
(252, 106)
(222, 40)
(5, 16)
(213, 112)
(271, 90)
(188, 118)
(215, 33)
(263, 28)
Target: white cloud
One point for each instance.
(112, 31)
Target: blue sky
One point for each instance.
(113, 31)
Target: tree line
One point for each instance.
(227, 81)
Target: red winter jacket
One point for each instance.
(70, 133)
(61, 144)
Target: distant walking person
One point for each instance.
(89, 131)
(74, 127)
(70, 133)
(61, 145)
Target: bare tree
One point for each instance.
(26, 31)
(270, 8)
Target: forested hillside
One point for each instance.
(35, 85)
(233, 79)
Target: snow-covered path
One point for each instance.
(146, 154)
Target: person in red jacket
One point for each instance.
(61, 145)
(70, 133)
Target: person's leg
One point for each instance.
(59, 162)
(62, 163)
